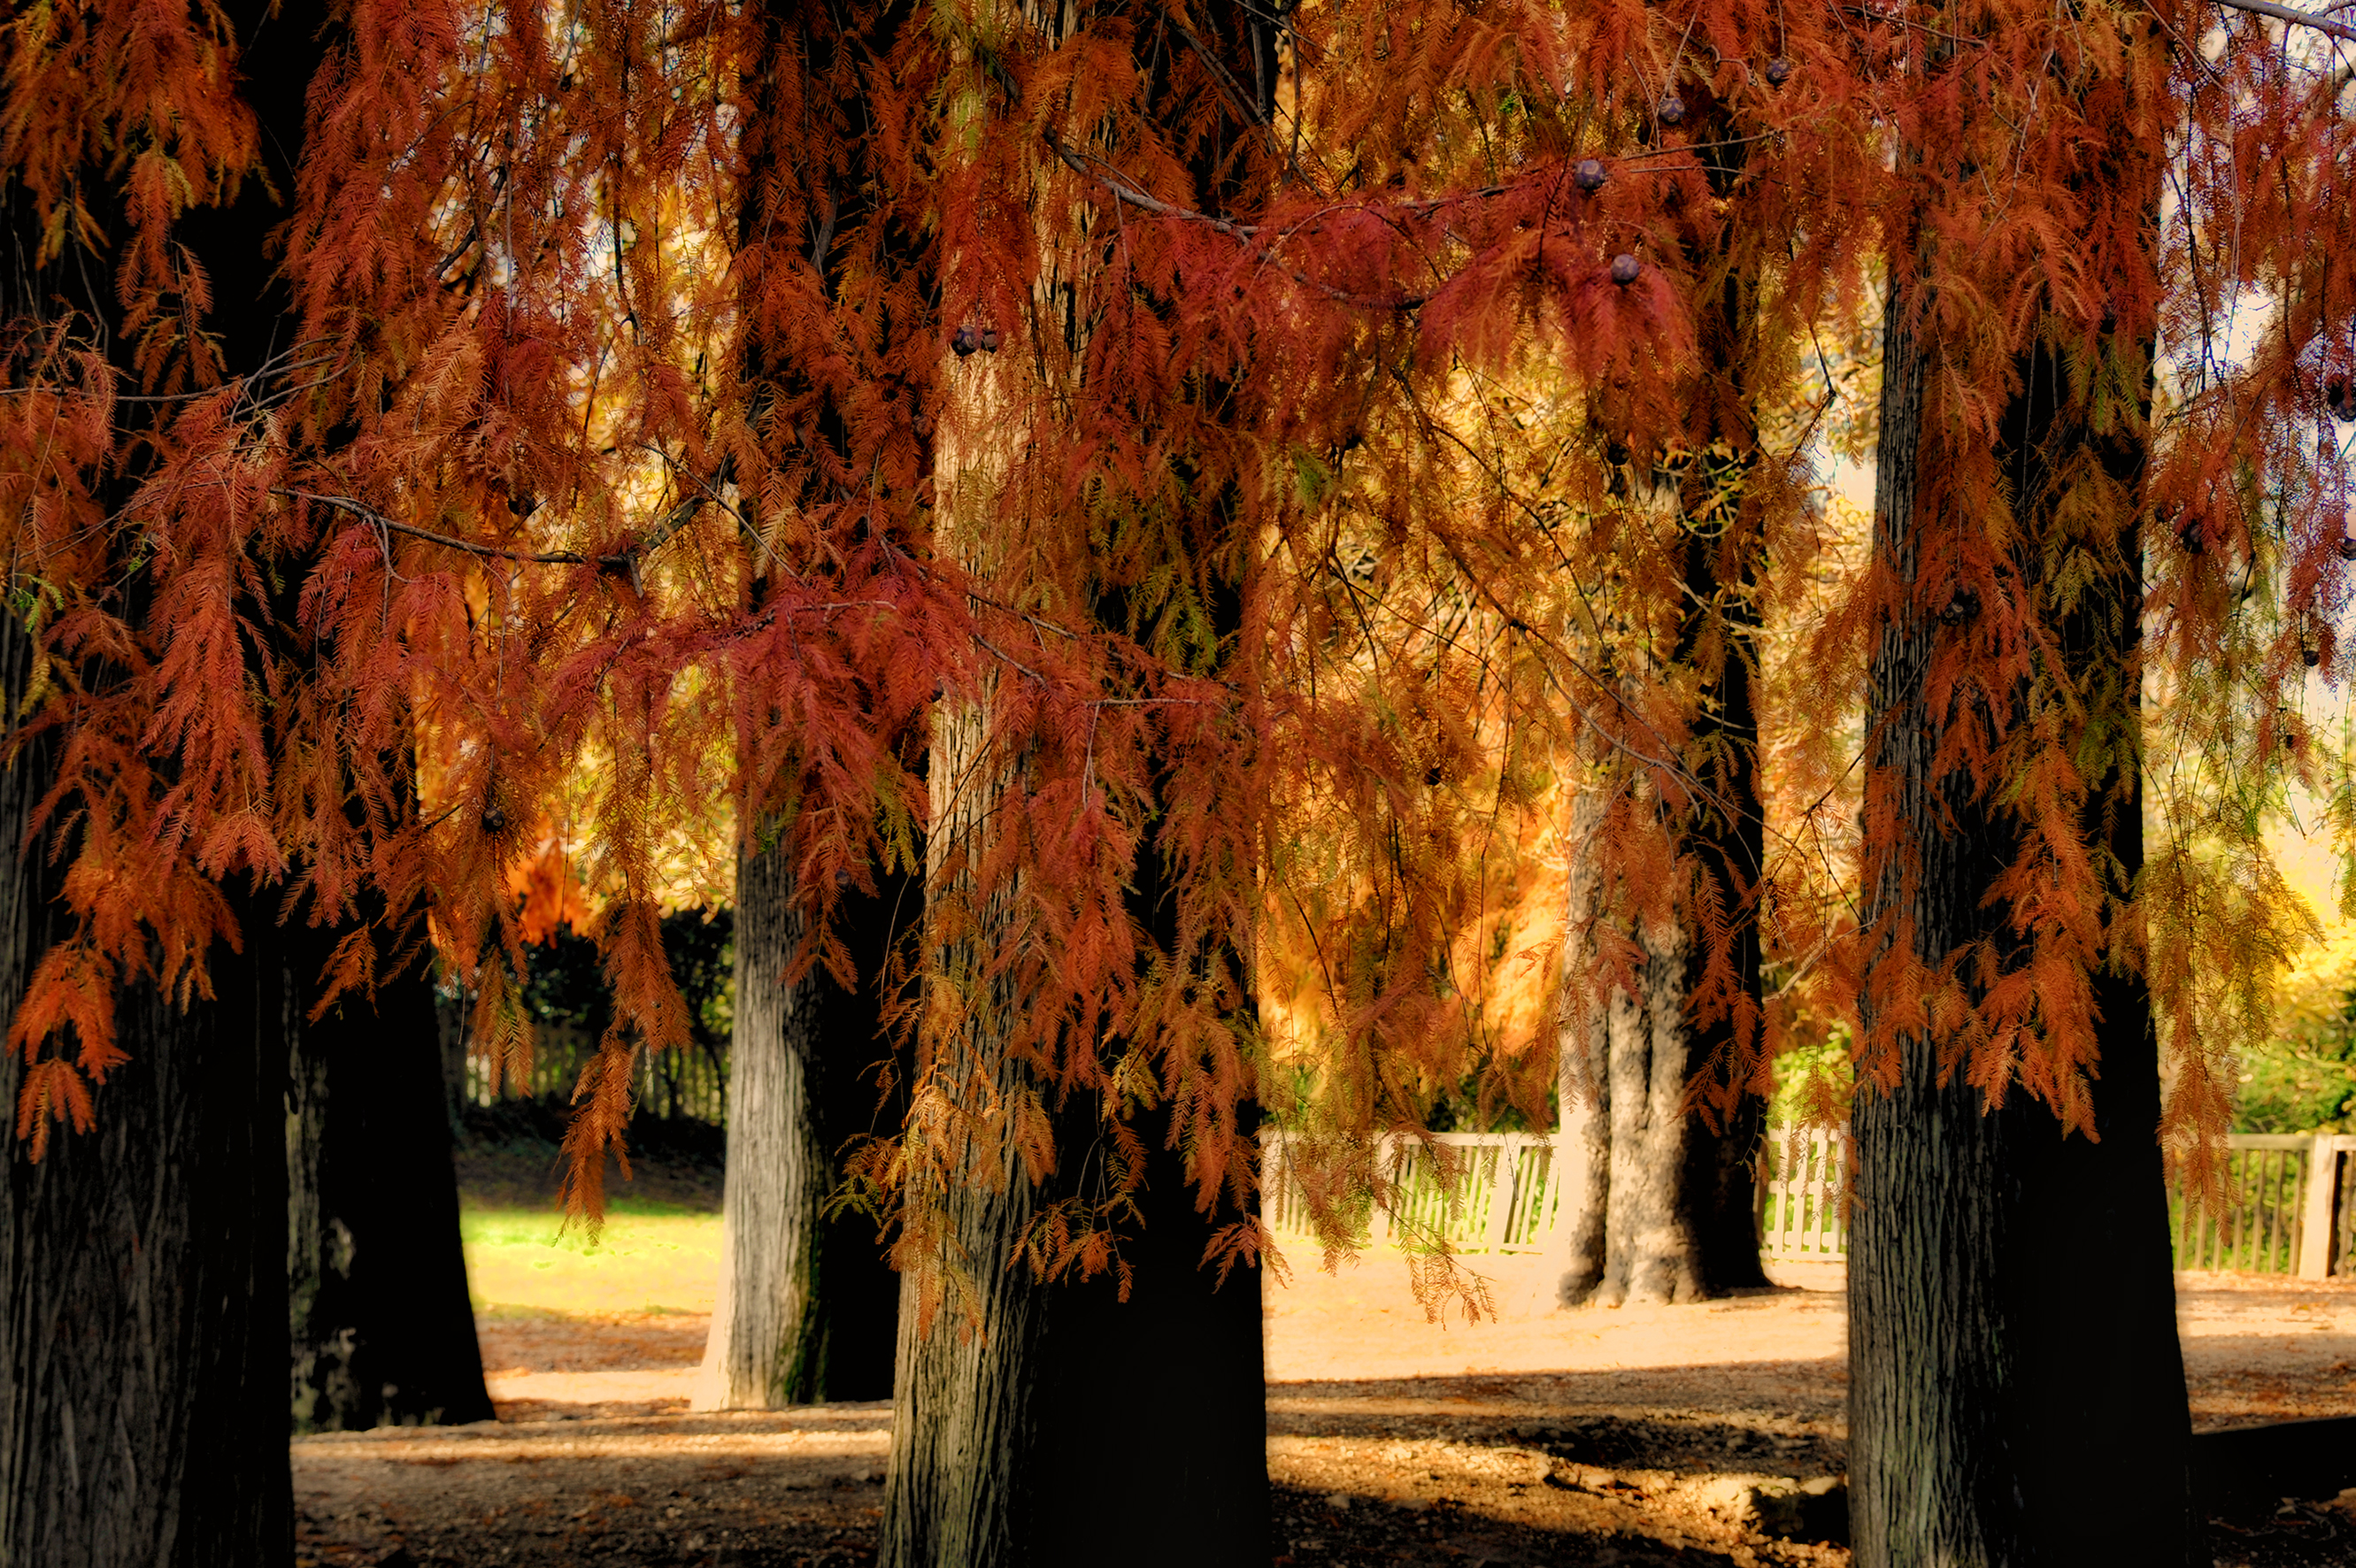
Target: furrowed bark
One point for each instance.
(140, 1261)
(1650, 1252)
(1036, 1424)
(1576, 1247)
(1033, 1423)
(381, 1327)
(807, 1304)
(142, 1372)
(139, 1417)
(765, 1349)
(2016, 1389)
(964, 1372)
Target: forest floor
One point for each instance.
(1683, 1434)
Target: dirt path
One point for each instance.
(1646, 1436)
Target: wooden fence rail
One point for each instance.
(1799, 1194)
(1503, 1198)
(2287, 1204)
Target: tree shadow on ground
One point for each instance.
(1775, 1419)
(1312, 1527)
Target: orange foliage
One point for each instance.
(552, 497)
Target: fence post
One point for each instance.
(2322, 1188)
(1505, 1165)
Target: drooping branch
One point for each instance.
(619, 563)
(1124, 191)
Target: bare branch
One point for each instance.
(624, 563)
(2295, 17)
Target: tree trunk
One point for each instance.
(1656, 1205)
(1719, 1186)
(1663, 1203)
(384, 1329)
(144, 1260)
(1582, 1144)
(963, 1378)
(1043, 1424)
(1034, 1424)
(142, 1264)
(806, 1304)
(766, 1348)
(2015, 1390)
(1650, 1253)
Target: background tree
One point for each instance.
(382, 1322)
(1664, 1198)
(807, 1303)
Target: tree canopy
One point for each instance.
(1416, 404)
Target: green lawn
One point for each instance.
(652, 1257)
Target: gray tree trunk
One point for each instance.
(807, 1305)
(767, 1345)
(2016, 1390)
(1640, 1173)
(1576, 1247)
(1650, 1250)
(966, 1368)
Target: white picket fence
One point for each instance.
(1799, 1195)
(1503, 1200)
(1506, 1192)
(2288, 1203)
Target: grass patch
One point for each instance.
(652, 1256)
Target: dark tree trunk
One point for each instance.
(1036, 1424)
(2016, 1390)
(1726, 836)
(383, 1329)
(1180, 1437)
(807, 1304)
(860, 1306)
(138, 1415)
(140, 1379)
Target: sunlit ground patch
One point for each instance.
(650, 1258)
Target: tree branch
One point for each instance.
(622, 563)
(1089, 168)
(2296, 18)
